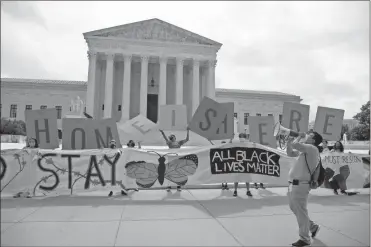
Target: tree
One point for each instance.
(12, 127)
(362, 131)
(364, 116)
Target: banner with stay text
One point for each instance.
(41, 171)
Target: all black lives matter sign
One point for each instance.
(244, 160)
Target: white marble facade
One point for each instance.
(137, 67)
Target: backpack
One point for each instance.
(319, 172)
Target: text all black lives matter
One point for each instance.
(244, 160)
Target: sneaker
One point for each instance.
(168, 189)
(136, 189)
(336, 192)
(124, 193)
(178, 188)
(248, 193)
(300, 243)
(110, 193)
(315, 232)
(235, 193)
(343, 192)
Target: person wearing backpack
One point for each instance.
(306, 173)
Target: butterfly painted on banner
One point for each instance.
(176, 171)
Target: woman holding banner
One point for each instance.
(243, 138)
(172, 143)
(339, 180)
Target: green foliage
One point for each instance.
(12, 127)
(364, 116)
(360, 133)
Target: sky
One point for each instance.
(316, 50)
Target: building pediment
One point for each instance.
(153, 30)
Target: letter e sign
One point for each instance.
(329, 122)
(208, 118)
(173, 117)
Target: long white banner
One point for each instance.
(40, 170)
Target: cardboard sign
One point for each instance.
(42, 125)
(81, 133)
(226, 129)
(328, 123)
(135, 129)
(295, 116)
(208, 118)
(261, 130)
(173, 117)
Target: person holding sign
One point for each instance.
(243, 138)
(112, 145)
(172, 143)
(339, 180)
(31, 143)
(299, 176)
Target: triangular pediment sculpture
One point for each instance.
(155, 30)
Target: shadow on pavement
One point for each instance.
(220, 205)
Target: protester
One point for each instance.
(31, 143)
(299, 178)
(225, 185)
(172, 143)
(325, 147)
(112, 145)
(131, 144)
(339, 180)
(243, 138)
(338, 147)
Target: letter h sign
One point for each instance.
(42, 125)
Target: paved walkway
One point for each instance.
(203, 217)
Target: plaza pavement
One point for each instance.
(194, 217)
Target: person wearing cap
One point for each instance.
(172, 143)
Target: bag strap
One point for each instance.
(310, 173)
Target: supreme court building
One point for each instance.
(134, 69)
(146, 64)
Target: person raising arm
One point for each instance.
(172, 143)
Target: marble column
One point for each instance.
(196, 85)
(162, 89)
(90, 95)
(211, 79)
(108, 91)
(179, 81)
(126, 89)
(144, 86)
